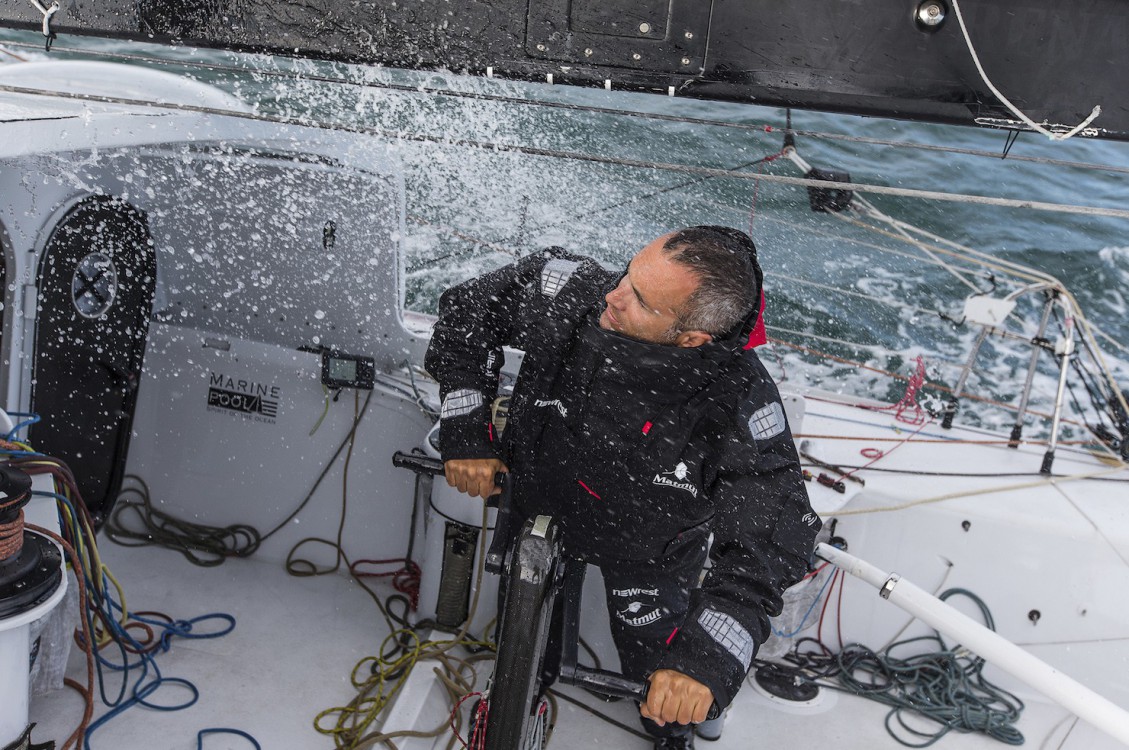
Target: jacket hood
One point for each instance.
(746, 333)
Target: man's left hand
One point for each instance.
(674, 697)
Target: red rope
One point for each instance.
(477, 735)
(875, 455)
(589, 489)
(405, 579)
(909, 399)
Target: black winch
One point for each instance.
(30, 565)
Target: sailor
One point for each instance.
(643, 423)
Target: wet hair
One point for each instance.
(729, 278)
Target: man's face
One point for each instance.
(646, 303)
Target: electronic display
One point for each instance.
(341, 370)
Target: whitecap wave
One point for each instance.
(1118, 257)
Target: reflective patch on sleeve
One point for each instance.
(460, 402)
(767, 422)
(729, 634)
(556, 274)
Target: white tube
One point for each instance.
(14, 648)
(1068, 693)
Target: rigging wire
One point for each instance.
(510, 148)
(924, 248)
(852, 293)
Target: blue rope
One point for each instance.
(150, 678)
(224, 730)
(31, 419)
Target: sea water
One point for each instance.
(833, 287)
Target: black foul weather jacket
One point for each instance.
(635, 449)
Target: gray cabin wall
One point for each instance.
(249, 281)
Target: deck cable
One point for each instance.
(943, 686)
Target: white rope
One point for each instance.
(47, 14)
(1006, 102)
(1049, 481)
(976, 257)
(869, 207)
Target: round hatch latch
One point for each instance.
(930, 15)
(94, 286)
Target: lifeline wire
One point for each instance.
(585, 157)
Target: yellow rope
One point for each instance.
(378, 679)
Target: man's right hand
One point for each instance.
(474, 476)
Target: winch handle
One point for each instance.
(434, 466)
(417, 463)
(503, 524)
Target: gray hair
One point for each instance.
(729, 278)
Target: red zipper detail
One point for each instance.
(590, 492)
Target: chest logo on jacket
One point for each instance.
(679, 479)
(637, 607)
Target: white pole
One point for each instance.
(1068, 693)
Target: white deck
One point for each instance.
(297, 639)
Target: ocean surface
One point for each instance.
(833, 287)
